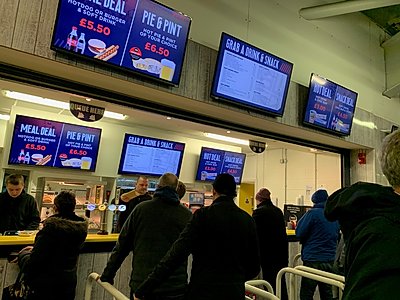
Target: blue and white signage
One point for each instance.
(330, 106)
(138, 35)
(251, 77)
(214, 162)
(42, 142)
(150, 156)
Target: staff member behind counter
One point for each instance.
(133, 198)
(18, 210)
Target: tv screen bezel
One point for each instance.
(120, 68)
(211, 180)
(94, 161)
(123, 153)
(325, 129)
(237, 102)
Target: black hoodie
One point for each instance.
(369, 215)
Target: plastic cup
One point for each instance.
(167, 69)
(86, 163)
(203, 175)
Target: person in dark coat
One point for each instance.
(223, 240)
(271, 230)
(149, 232)
(18, 210)
(318, 238)
(133, 198)
(369, 216)
(50, 266)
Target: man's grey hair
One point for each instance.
(390, 158)
(168, 179)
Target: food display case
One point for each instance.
(87, 192)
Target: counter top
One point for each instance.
(28, 240)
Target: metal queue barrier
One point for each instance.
(298, 272)
(333, 276)
(250, 286)
(92, 278)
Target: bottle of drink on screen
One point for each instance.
(27, 158)
(80, 48)
(72, 40)
(21, 156)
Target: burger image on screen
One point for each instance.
(137, 61)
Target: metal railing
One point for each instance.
(258, 282)
(295, 271)
(259, 292)
(94, 277)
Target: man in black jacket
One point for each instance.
(223, 240)
(18, 210)
(369, 216)
(271, 229)
(149, 232)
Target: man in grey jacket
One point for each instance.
(149, 232)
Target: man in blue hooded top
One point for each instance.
(318, 238)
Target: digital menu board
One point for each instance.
(330, 106)
(150, 156)
(213, 162)
(40, 142)
(137, 35)
(250, 77)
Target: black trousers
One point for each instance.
(308, 285)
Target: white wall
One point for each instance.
(345, 49)
(3, 125)
(290, 174)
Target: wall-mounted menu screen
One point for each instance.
(330, 106)
(40, 142)
(150, 156)
(137, 35)
(213, 162)
(250, 77)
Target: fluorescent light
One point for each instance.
(54, 103)
(226, 138)
(114, 115)
(4, 117)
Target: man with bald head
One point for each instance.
(149, 232)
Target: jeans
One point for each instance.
(308, 285)
(161, 297)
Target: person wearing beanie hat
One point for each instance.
(272, 237)
(318, 238)
(223, 241)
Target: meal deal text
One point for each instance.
(139, 35)
(214, 162)
(42, 142)
(330, 106)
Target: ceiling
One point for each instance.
(388, 18)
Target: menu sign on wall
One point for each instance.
(330, 106)
(150, 156)
(214, 162)
(42, 142)
(138, 35)
(251, 77)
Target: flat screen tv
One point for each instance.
(330, 106)
(213, 162)
(150, 156)
(40, 142)
(142, 36)
(250, 77)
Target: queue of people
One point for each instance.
(227, 244)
